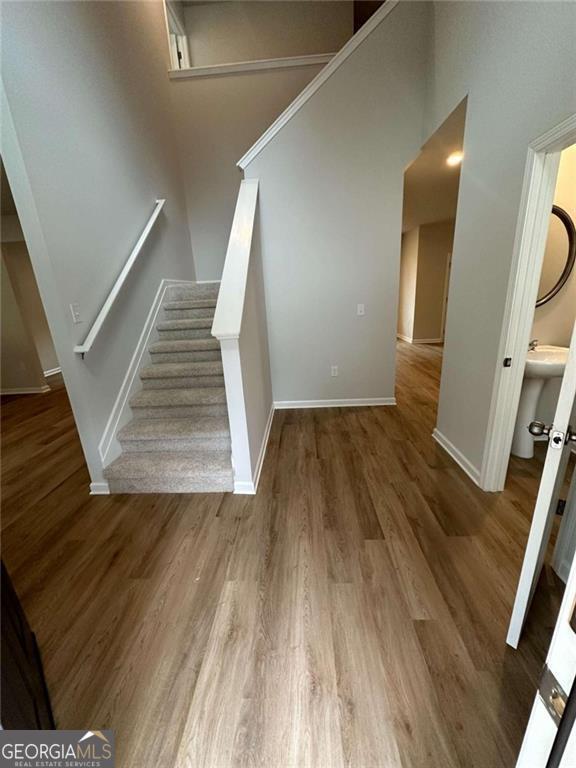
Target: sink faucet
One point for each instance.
(532, 345)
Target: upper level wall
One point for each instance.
(516, 63)
(331, 202)
(217, 120)
(88, 95)
(225, 32)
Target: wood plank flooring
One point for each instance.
(353, 613)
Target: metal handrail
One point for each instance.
(81, 349)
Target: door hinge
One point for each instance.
(552, 694)
(560, 507)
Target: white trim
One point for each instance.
(207, 282)
(86, 345)
(317, 82)
(99, 489)
(52, 371)
(217, 70)
(469, 468)
(531, 232)
(26, 390)
(230, 305)
(108, 447)
(244, 488)
(350, 403)
(408, 339)
(237, 418)
(263, 447)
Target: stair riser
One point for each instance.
(185, 357)
(177, 411)
(187, 314)
(185, 333)
(186, 293)
(182, 382)
(176, 444)
(176, 485)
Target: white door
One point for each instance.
(559, 447)
(545, 725)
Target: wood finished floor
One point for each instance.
(353, 613)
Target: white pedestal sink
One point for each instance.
(542, 363)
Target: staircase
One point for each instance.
(178, 440)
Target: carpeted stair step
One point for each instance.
(175, 310)
(185, 350)
(176, 375)
(178, 472)
(193, 292)
(195, 327)
(179, 403)
(207, 433)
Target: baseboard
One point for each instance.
(412, 340)
(207, 282)
(263, 447)
(52, 372)
(26, 390)
(108, 447)
(99, 489)
(352, 403)
(472, 471)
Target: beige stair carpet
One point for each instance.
(178, 440)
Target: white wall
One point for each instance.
(218, 119)
(424, 260)
(331, 206)
(516, 61)
(20, 368)
(408, 275)
(434, 246)
(26, 291)
(225, 32)
(89, 103)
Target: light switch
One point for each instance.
(75, 312)
(334, 370)
(360, 311)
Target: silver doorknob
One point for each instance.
(538, 428)
(570, 436)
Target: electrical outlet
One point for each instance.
(334, 370)
(75, 312)
(360, 311)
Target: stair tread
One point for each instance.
(191, 304)
(185, 370)
(183, 324)
(184, 345)
(152, 429)
(179, 397)
(205, 464)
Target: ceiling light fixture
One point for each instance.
(454, 159)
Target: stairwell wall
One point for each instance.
(331, 186)
(88, 146)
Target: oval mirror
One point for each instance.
(559, 256)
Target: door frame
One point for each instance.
(539, 184)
